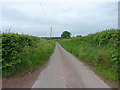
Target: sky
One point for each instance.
(78, 17)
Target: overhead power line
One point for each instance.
(42, 8)
(40, 3)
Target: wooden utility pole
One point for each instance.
(50, 32)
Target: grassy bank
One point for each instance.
(99, 50)
(23, 53)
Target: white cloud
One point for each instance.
(79, 18)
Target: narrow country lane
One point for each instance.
(65, 71)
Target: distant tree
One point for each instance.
(79, 36)
(66, 34)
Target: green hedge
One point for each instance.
(23, 53)
(101, 50)
(108, 37)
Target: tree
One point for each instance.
(79, 36)
(66, 34)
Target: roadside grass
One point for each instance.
(103, 58)
(22, 53)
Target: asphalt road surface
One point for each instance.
(66, 71)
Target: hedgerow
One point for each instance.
(23, 53)
(100, 49)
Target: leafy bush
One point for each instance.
(23, 53)
(98, 49)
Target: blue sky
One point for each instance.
(80, 18)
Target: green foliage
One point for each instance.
(66, 34)
(23, 53)
(99, 49)
(79, 36)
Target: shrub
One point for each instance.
(23, 53)
(99, 49)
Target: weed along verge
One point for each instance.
(23, 53)
(99, 50)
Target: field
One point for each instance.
(100, 50)
(22, 53)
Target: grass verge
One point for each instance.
(22, 53)
(99, 50)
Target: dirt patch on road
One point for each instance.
(24, 81)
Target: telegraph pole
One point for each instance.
(50, 32)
